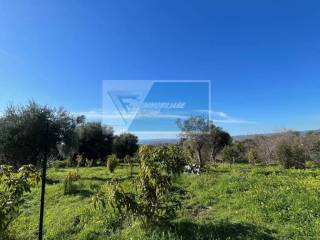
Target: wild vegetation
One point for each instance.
(105, 186)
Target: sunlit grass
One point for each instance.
(227, 202)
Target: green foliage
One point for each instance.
(203, 139)
(23, 133)
(311, 142)
(252, 156)
(233, 154)
(112, 162)
(130, 160)
(217, 140)
(95, 141)
(291, 156)
(60, 164)
(158, 202)
(121, 201)
(69, 186)
(154, 201)
(13, 184)
(240, 201)
(125, 144)
(170, 158)
(195, 136)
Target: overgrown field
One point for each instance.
(227, 202)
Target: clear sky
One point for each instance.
(262, 57)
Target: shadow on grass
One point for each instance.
(102, 179)
(50, 181)
(83, 193)
(222, 231)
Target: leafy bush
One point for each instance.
(154, 202)
(232, 154)
(112, 162)
(291, 156)
(69, 185)
(59, 164)
(252, 156)
(158, 202)
(13, 184)
(171, 158)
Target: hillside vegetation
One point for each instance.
(236, 201)
(103, 185)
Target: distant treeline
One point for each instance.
(28, 132)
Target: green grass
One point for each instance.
(227, 202)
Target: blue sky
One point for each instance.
(262, 57)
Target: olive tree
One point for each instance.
(195, 135)
(125, 144)
(95, 141)
(203, 138)
(217, 140)
(27, 132)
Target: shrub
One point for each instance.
(232, 154)
(154, 201)
(89, 163)
(59, 164)
(158, 202)
(252, 156)
(291, 156)
(112, 162)
(171, 158)
(13, 184)
(69, 183)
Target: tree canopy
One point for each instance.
(125, 144)
(26, 132)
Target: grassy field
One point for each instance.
(227, 202)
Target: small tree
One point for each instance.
(252, 156)
(158, 202)
(217, 140)
(130, 160)
(291, 156)
(231, 154)
(125, 144)
(69, 186)
(195, 133)
(95, 141)
(154, 201)
(112, 162)
(170, 158)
